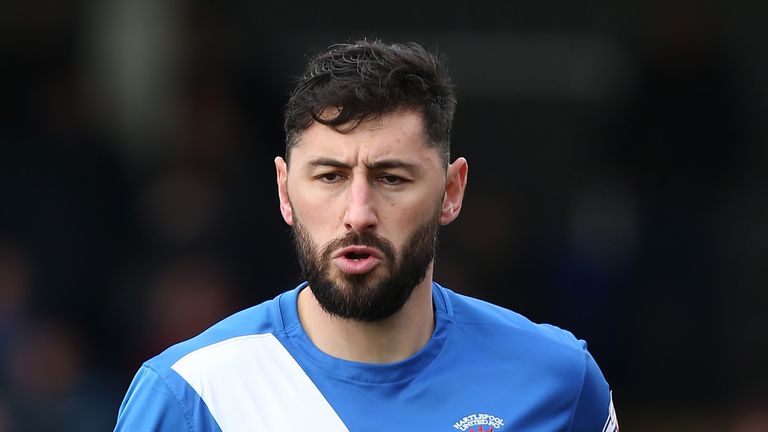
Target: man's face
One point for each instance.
(365, 209)
(370, 295)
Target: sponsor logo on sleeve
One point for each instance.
(611, 423)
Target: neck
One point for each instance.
(390, 340)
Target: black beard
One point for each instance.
(365, 297)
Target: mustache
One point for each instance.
(354, 238)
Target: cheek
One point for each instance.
(314, 210)
(320, 223)
(401, 221)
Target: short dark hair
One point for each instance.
(369, 78)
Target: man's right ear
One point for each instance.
(286, 209)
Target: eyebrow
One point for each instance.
(378, 165)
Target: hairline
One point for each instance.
(443, 150)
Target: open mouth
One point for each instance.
(357, 255)
(356, 259)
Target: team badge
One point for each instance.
(480, 422)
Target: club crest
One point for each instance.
(480, 422)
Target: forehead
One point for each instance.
(399, 134)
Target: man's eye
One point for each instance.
(391, 179)
(330, 177)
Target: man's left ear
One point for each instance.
(455, 184)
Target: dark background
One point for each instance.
(617, 186)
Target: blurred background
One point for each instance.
(617, 186)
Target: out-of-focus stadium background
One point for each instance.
(617, 188)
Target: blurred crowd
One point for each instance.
(138, 205)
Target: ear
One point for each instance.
(282, 190)
(455, 184)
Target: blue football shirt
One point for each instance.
(484, 369)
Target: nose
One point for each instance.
(361, 212)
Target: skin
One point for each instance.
(381, 177)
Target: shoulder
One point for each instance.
(257, 319)
(480, 315)
(544, 353)
(162, 395)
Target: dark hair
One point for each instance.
(366, 79)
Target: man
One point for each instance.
(370, 343)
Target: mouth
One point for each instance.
(357, 253)
(356, 259)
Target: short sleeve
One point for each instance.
(594, 410)
(150, 405)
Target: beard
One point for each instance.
(369, 296)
